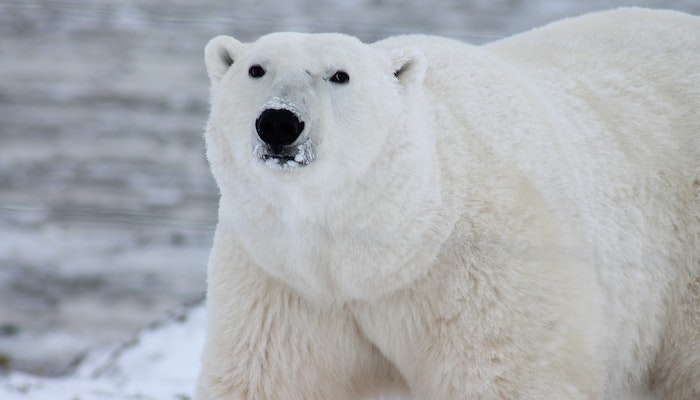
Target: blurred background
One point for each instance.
(107, 208)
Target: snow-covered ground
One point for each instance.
(106, 206)
(158, 364)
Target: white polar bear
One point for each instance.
(519, 220)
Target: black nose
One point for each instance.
(278, 127)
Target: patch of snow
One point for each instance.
(160, 363)
(304, 155)
(278, 103)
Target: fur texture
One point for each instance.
(519, 220)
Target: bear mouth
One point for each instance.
(287, 156)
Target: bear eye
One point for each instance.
(340, 77)
(256, 71)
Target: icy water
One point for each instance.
(106, 206)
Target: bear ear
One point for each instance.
(219, 55)
(408, 66)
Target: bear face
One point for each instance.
(291, 102)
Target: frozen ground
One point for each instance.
(144, 368)
(106, 205)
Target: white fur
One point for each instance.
(516, 220)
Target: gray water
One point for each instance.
(106, 206)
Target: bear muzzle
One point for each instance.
(279, 144)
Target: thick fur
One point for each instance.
(519, 220)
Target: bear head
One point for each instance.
(315, 104)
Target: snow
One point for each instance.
(160, 363)
(277, 103)
(107, 208)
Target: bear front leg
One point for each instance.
(264, 341)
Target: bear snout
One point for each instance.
(278, 127)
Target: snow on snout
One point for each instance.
(278, 103)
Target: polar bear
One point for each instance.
(423, 217)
